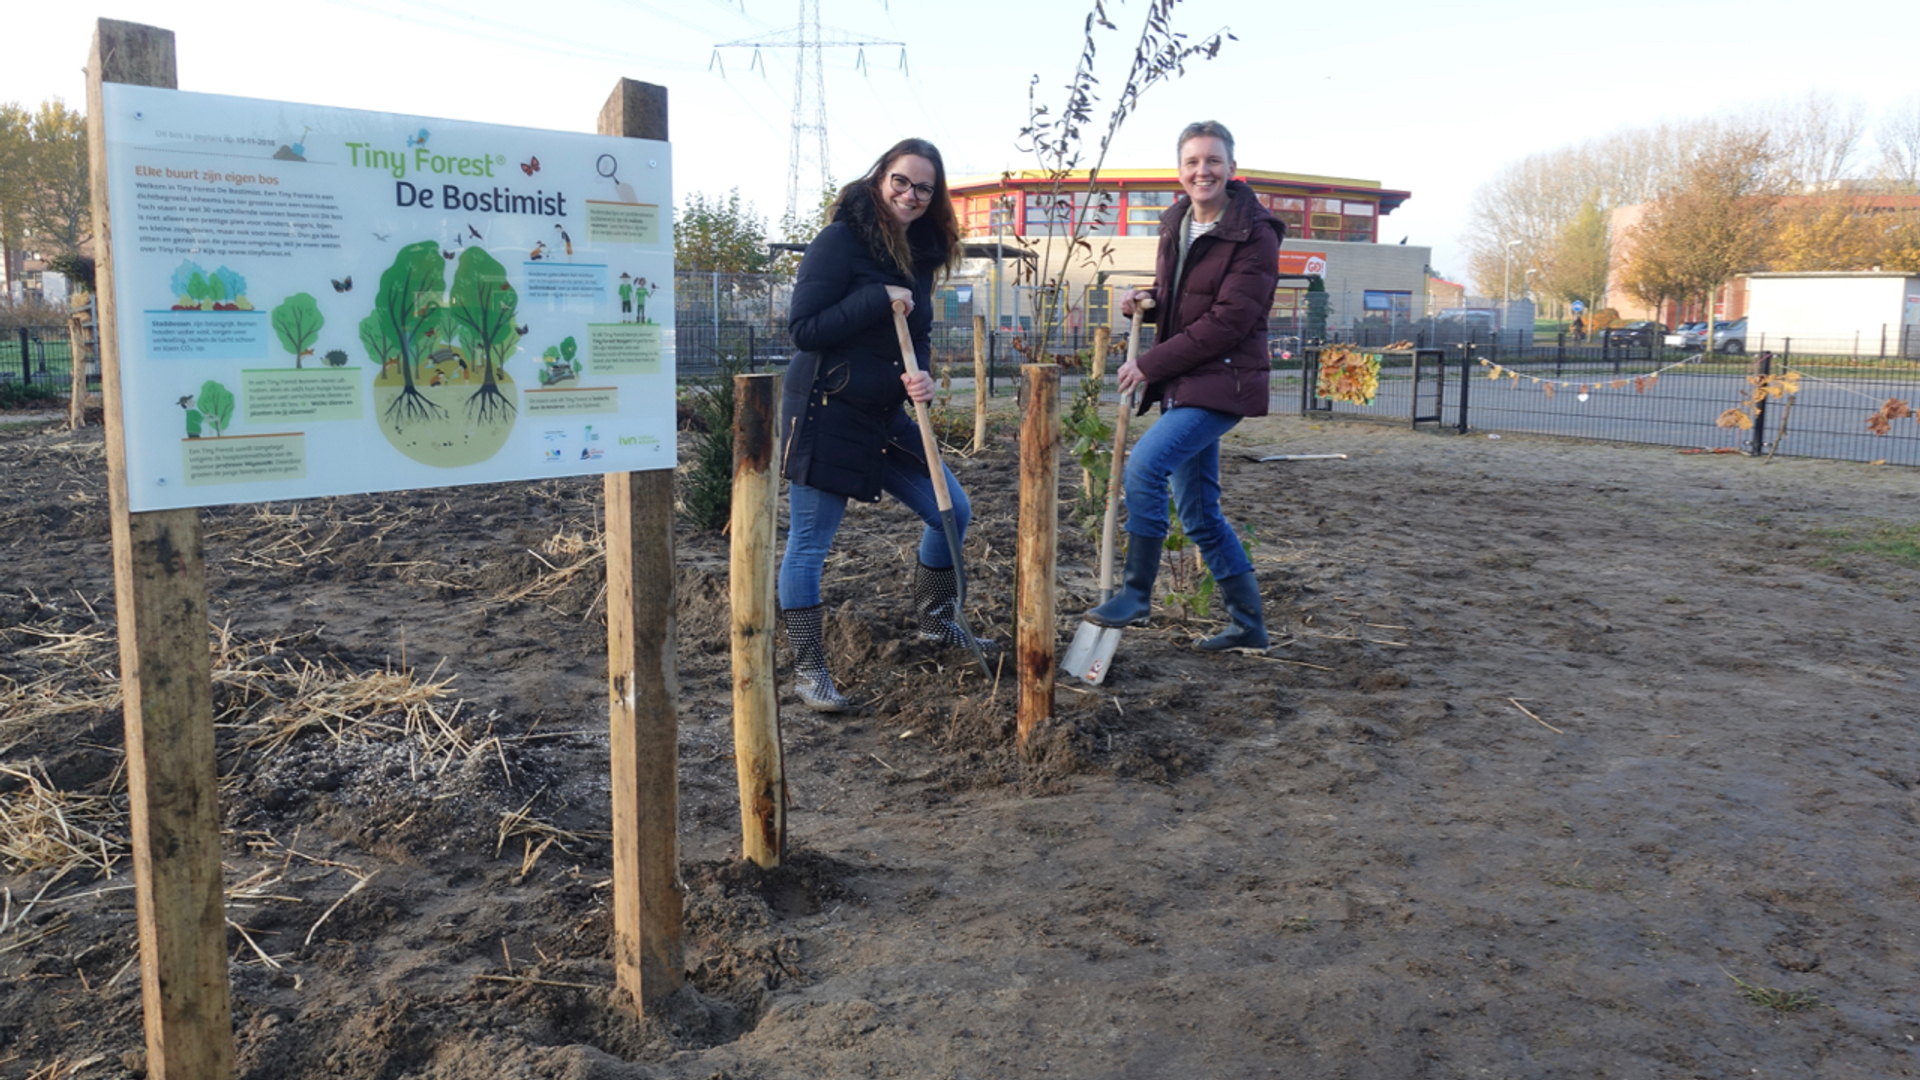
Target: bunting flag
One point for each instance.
(1640, 383)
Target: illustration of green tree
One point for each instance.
(481, 312)
(407, 316)
(216, 406)
(297, 321)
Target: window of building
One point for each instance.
(1048, 211)
(1386, 304)
(1144, 209)
(1358, 222)
(1061, 212)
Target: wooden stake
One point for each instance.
(757, 752)
(979, 383)
(77, 361)
(1102, 338)
(1039, 544)
(643, 683)
(160, 591)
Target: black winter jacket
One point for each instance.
(843, 389)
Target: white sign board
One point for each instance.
(317, 301)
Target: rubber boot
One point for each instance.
(1134, 602)
(936, 594)
(810, 679)
(1247, 621)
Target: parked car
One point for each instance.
(1688, 336)
(1730, 337)
(1642, 333)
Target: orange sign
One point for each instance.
(1303, 264)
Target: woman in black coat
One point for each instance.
(843, 417)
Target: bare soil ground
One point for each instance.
(1573, 759)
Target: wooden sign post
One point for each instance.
(1039, 546)
(643, 682)
(166, 672)
(757, 752)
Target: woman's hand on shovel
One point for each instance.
(919, 385)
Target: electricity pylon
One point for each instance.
(809, 89)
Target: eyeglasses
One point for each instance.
(902, 185)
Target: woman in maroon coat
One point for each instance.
(1214, 278)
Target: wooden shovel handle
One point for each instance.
(928, 444)
(1110, 528)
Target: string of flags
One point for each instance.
(1640, 383)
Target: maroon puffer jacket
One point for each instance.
(1212, 349)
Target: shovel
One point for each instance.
(931, 447)
(1092, 648)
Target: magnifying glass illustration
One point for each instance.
(610, 169)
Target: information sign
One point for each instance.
(318, 301)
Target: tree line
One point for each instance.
(44, 188)
(1795, 186)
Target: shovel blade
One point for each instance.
(1091, 652)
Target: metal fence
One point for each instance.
(41, 355)
(1644, 394)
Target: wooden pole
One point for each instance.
(77, 362)
(757, 752)
(1038, 551)
(979, 383)
(643, 683)
(160, 594)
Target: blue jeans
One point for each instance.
(813, 517)
(1183, 448)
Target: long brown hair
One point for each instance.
(939, 218)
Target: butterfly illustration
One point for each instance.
(446, 254)
(521, 330)
(532, 166)
(343, 286)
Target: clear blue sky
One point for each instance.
(1429, 98)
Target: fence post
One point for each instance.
(26, 362)
(1466, 379)
(979, 383)
(1883, 341)
(1763, 366)
(1559, 351)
